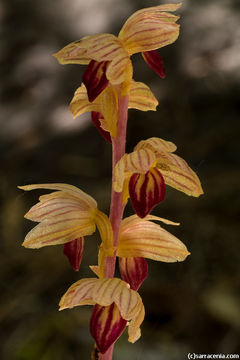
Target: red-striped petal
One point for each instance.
(134, 270)
(154, 60)
(96, 116)
(74, 250)
(94, 78)
(106, 325)
(146, 191)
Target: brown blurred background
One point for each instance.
(192, 306)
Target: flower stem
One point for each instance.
(117, 206)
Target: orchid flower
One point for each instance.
(106, 292)
(108, 56)
(140, 239)
(105, 108)
(65, 217)
(143, 173)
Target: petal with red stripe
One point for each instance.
(72, 53)
(149, 29)
(146, 191)
(154, 60)
(74, 250)
(134, 270)
(106, 325)
(143, 238)
(94, 78)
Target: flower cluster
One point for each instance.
(67, 215)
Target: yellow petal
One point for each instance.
(109, 110)
(174, 169)
(134, 219)
(59, 203)
(179, 175)
(156, 145)
(104, 292)
(105, 229)
(69, 189)
(142, 238)
(149, 29)
(80, 103)
(72, 54)
(139, 161)
(60, 229)
(64, 215)
(141, 97)
(107, 47)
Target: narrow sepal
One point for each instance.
(74, 251)
(154, 60)
(146, 191)
(106, 325)
(178, 174)
(133, 270)
(143, 238)
(96, 116)
(72, 53)
(94, 78)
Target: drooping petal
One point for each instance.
(133, 270)
(143, 238)
(150, 28)
(156, 145)
(74, 251)
(60, 230)
(154, 60)
(97, 119)
(179, 175)
(72, 54)
(104, 292)
(139, 161)
(81, 104)
(94, 78)
(141, 97)
(146, 191)
(106, 325)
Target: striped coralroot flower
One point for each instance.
(142, 175)
(108, 56)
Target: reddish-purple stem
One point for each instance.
(117, 207)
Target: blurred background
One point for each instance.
(192, 306)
